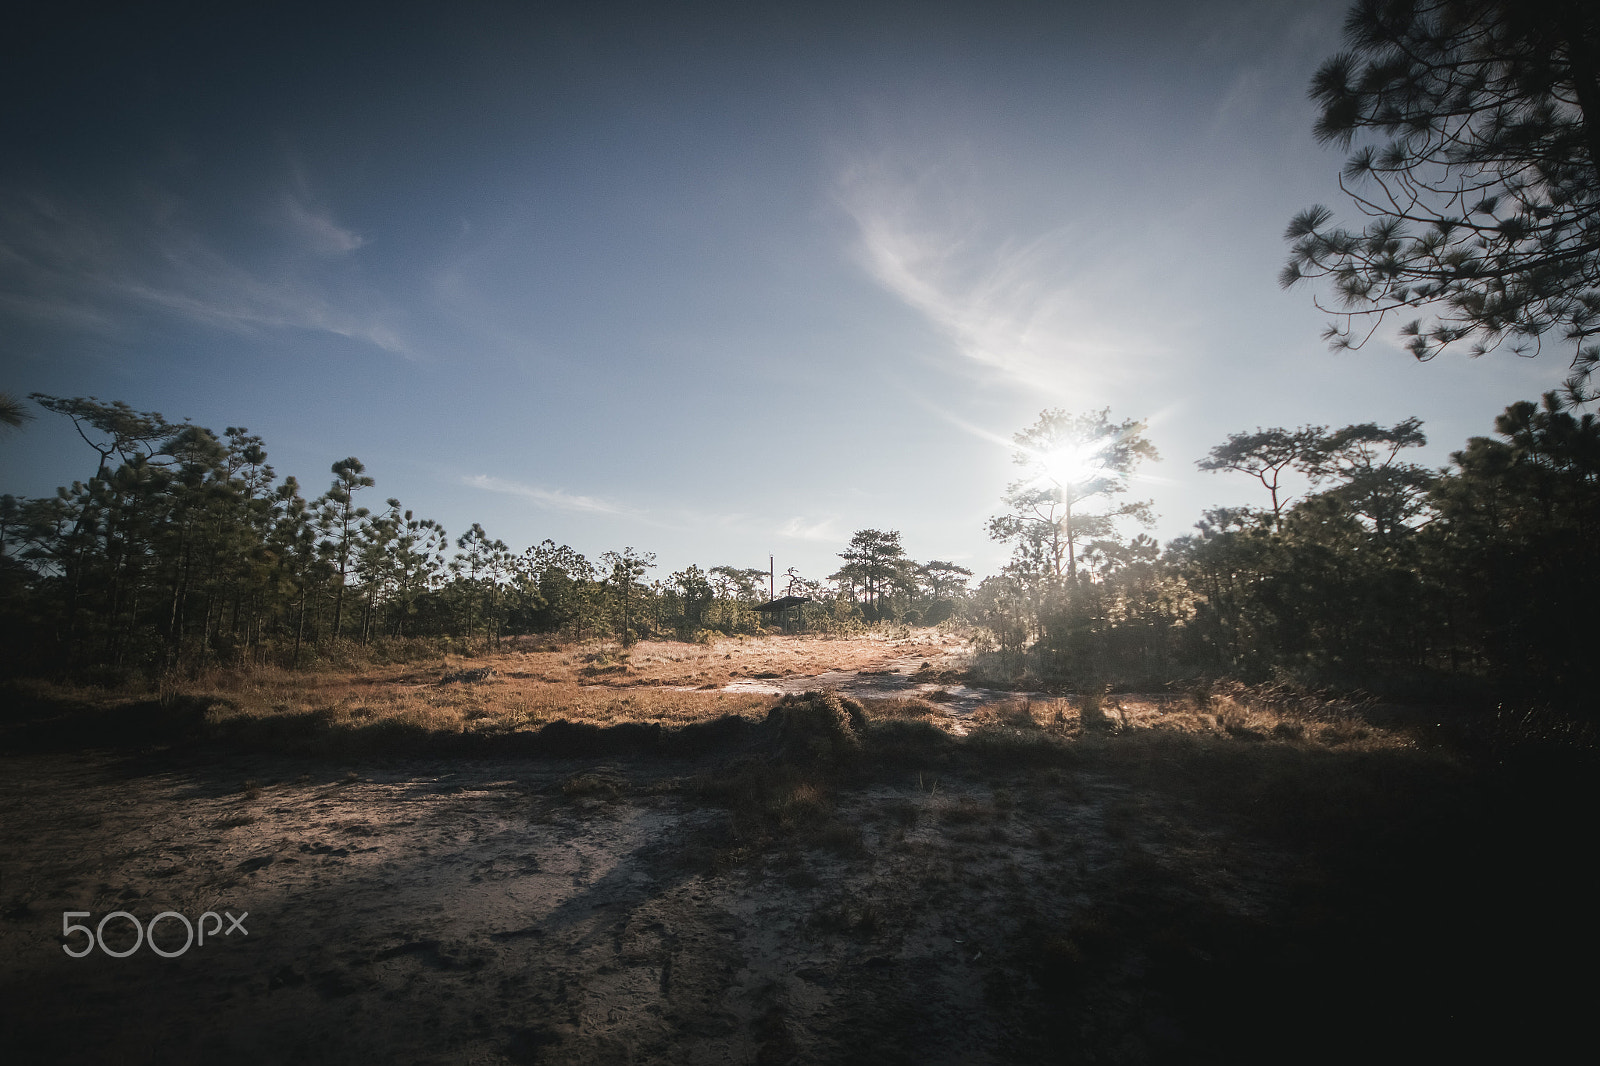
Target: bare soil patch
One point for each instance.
(829, 883)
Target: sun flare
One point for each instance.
(1072, 464)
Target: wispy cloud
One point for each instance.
(1000, 439)
(554, 499)
(1034, 310)
(672, 516)
(316, 230)
(819, 529)
(98, 268)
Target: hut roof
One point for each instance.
(784, 602)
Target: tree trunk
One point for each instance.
(299, 632)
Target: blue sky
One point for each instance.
(715, 281)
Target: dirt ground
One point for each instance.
(485, 913)
(986, 897)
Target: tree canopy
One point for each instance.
(1266, 455)
(1482, 193)
(1069, 461)
(12, 411)
(875, 562)
(1360, 459)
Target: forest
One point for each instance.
(183, 549)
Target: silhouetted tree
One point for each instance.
(1484, 199)
(113, 517)
(1360, 458)
(1514, 546)
(339, 521)
(1070, 460)
(1330, 582)
(118, 429)
(1372, 483)
(1266, 455)
(13, 412)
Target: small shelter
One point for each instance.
(786, 608)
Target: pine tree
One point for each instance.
(1071, 461)
(339, 522)
(1483, 197)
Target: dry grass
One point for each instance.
(646, 663)
(373, 707)
(496, 706)
(529, 685)
(1241, 714)
(663, 663)
(908, 708)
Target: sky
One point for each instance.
(719, 282)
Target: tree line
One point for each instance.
(1381, 574)
(183, 547)
(1359, 567)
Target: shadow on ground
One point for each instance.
(815, 887)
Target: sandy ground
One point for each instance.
(471, 914)
(539, 910)
(483, 913)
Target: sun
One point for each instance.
(1072, 464)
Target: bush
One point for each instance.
(1092, 711)
(817, 727)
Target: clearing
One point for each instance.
(601, 867)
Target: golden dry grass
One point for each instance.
(675, 684)
(497, 705)
(669, 663)
(654, 682)
(1242, 714)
